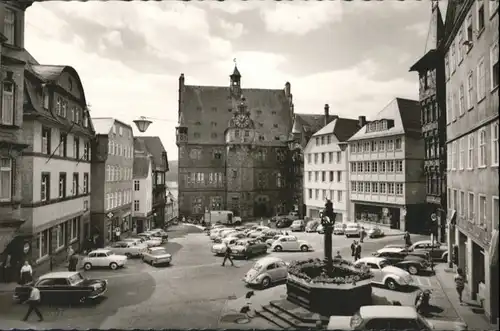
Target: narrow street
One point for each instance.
(191, 292)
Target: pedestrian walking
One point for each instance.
(73, 262)
(33, 303)
(353, 249)
(227, 256)
(69, 252)
(26, 273)
(459, 283)
(407, 239)
(362, 234)
(357, 252)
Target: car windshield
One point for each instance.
(75, 279)
(257, 266)
(159, 252)
(383, 264)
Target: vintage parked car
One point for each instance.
(339, 228)
(267, 271)
(375, 232)
(216, 232)
(103, 258)
(257, 231)
(284, 223)
(156, 256)
(226, 233)
(160, 233)
(437, 251)
(311, 226)
(385, 317)
(400, 258)
(269, 242)
(63, 287)
(298, 225)
(352, 230)
(150, 240)
(135, 240)
(220, 249)
(238, 235)
(268, 234)
(247, 248)
(127, 248)
(290, 243)
(384, 273)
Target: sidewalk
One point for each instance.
(470, 313)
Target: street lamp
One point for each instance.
(143, 122)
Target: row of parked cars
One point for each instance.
(253, 239)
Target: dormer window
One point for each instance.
(384, 125)
(7, 110)
(9, 29)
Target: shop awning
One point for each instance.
(494, 249)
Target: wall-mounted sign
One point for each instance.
(110, 215)
(26, 248)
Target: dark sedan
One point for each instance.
(414, 264)
(63, 287)
(284, 223)
(268, 234)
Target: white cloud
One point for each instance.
(421, 28)
(232, 30)
(300, 17)
(114, 38)
(234, 6)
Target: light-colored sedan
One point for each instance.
(352, 230)
(290, 243)
(267, 271)
(216, 232)
(385, 317)
(219, 249)
(127, 248)
(103, 258)
(385, 274)
(156, 256)
(150, 240)
(339, 228)
(238, 235)
(257, 231)
(269, 242)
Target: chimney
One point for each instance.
(361, 121)
(327, 114)
(288, 89)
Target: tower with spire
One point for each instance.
(235, 81)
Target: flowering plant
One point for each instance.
(315, 271)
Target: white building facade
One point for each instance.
(56, 166)
(326, 169)
(386, 158)
(142, 206)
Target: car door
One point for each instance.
(378, 275)
(281, 270)
(292, 243)
(45, 288)
(273, 272)
(377, 324)
(61, 289)
(119, 248)
(102, 260)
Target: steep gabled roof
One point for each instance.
(207, 111)
(342, 128)
(406, 116)
(141, 166)
(153, 146)
(103, 125)
(311, 123)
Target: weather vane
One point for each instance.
(234, 60)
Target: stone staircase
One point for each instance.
(288, 315)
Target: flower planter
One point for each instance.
(329, 296)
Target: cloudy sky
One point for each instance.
(352, 55)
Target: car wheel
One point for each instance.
(413, 270)
(113, 266)
(391, 284)
(87, 266)
(265, 282)
(278, 249)
(347, 236)
(128, 255)
(304, 248)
